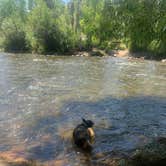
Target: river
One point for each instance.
(43, 98)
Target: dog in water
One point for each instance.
(83, 134)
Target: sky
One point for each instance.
(66, 1)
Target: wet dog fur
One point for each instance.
(83, 134)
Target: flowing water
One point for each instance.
(43, 98)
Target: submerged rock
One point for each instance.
(163, 60)
(151, 155)
(97, 53)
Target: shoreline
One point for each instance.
(95, 52)
(121, 54)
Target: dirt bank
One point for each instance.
(101, 53)
(119, 53)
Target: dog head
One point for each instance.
(87, 123)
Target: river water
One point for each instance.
(43, 98)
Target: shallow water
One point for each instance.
(43, 98)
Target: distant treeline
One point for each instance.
(49, 26)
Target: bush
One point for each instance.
(13, 39)
(44, 33)
(15, 42)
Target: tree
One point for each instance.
(12, 19)
(56, 26)
(43, 32)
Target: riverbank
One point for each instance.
(95, 52)
(101, 53)
(119, 53)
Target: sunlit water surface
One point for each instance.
(43, 98)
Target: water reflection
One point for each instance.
(43, 98)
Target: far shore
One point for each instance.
(121, 53)
(95, 52)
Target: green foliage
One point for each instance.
(141, 25)
(12, 19)
(42, 32)
(90, 21)
(54, 26)
(45, 33)
(14, 37)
